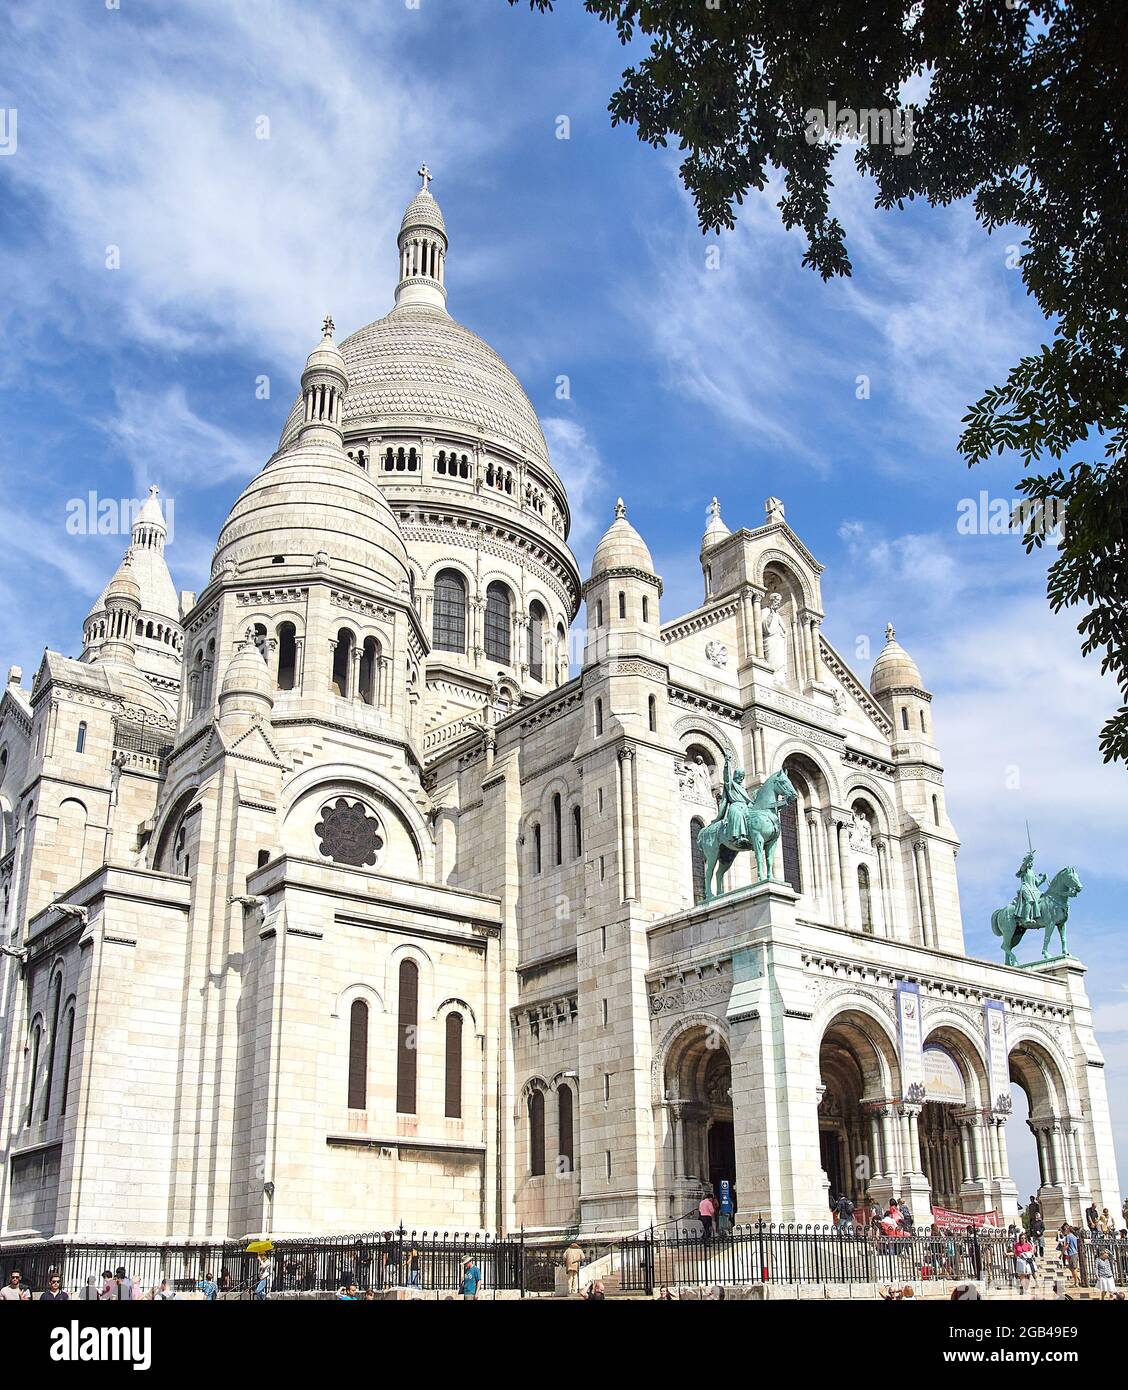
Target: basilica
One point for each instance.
(348, 892)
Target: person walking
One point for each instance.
(412, 1269)
(1023, 1262)
(1068, 1249)
(706, 1210)
(1092, 1216)
(1038, 1235)
(208, 1287)
(262, 1288)
(573, 1261)
(471, 1279)
(1106, 1279)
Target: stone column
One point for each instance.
(831, 831)
(757, 625)
(883, 886)
(818, 673)
(922, 894)
(841, 848)
(626, 801)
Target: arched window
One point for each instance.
(598, 717)
(369, 656)
(577, 833)
(68, 1047)
(287, 656)
(904, 717)
(497, 623)
(564, 1126)
(448, 623)
(923, 725)
(645, 609)
(406, 1041)
(36, 1036)
(536, 849)
(789, 840)
(652, 712)
(536, 641)
(358, 1055)
(864, 899)
(342, 663)
(622, 604)
(557, 830)
(53, 1041)
(453, 1108)
(80, 741)
(536, 1133)
(697, 859)
(935, 810)
(599, 613)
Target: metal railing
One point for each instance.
(314, 1265)
(764, 1252)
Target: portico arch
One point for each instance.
(696, 1085)
(1055, 1125)
(859, 1080)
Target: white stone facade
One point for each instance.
(336, 900)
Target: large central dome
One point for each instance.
(418, 363)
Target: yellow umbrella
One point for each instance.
(260, 1247)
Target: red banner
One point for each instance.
(961, 1221)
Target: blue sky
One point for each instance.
(137, 129)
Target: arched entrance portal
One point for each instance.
(857, 1067)
(698, 1090)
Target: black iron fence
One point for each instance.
(763, 1252)
(374, 1260)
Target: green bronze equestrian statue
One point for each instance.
(1036, 907)
(743, 822)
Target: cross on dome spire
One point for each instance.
(889, 633)
(426, 175)
(327, 325)
(620, 509)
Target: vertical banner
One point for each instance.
(910, 1041)
(998, 1065)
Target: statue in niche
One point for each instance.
(775, 636)
(861, 832)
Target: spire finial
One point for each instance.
(715, 509)
(327, 325)
(889, 632)
(620, 510)
(153, 490)
(426, 175)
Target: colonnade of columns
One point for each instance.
(420, 256)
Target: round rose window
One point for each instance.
(349, 833)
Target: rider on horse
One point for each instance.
(735, 803)
(1028, 899)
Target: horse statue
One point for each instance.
(1048, 909)
(743, 822)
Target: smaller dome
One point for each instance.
(621, 547)
(894, 668)
(123, 588)
(423, 211)
(247, 672)
(151, 514)
(326, 356)
(715, 529)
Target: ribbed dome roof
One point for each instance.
(123, 585)
(148, 573)
(894, 668)
(418, 364)
(621, 547)
(423, 211)
(312, 504)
